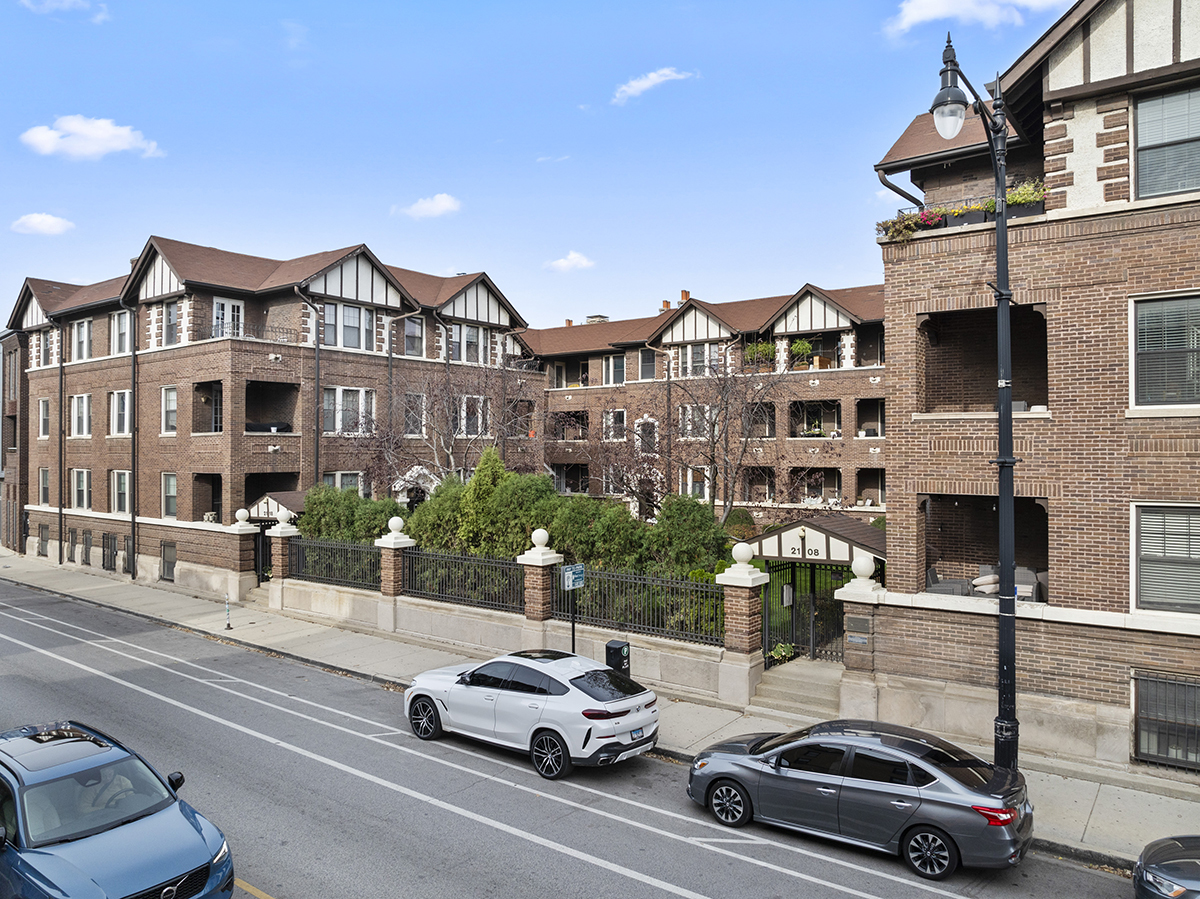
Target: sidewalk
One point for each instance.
(1097, 815)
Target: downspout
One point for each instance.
(62, 439)
(133, 436)
(897, 189)
(391, 400)
(446, 353)
(318, 334)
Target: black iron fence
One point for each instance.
(335, 562)
(801, 619)
(466, 580)
(1167, 709)
(693, 611)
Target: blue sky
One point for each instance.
(591, 157)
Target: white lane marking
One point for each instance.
(691, 820)
(379, 781)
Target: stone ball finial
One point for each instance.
(863, 566)
(742, 553)
(540, 538)
(283, 516)
(242, 516)
(395, 524)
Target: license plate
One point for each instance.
(635, 734)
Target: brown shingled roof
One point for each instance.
(208, 265)
(864, 303)
(595, 337)
(921, 142)
(431, 290)
(747, 315)
(51, 295)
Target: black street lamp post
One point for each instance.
(949, 111)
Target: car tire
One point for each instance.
(424, 719)
(929, 853)
(550, 755)
(730, 804)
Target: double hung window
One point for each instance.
(43, 486)
(614, 424)
(1168, 558)
(169, 495)
(348, 410)
(119, 409)
(81, 488)
(118, 333)
(170, 410)
(471, 417)
(357, 329)
(414, 414)
(1167, 360)
(1168, 143)
(81, 415)
(698, 359)
(119, 492)
(646, 365)
(44, 418)
(171, 330)
(614, 369)
(81, 346)
(414, 337)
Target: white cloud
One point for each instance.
(45, 6)
(430, 207)
(990, 13)
(78, 137)
(295, 35)
(553, 158)
(635, 87)
(41, 223)
(569, 262)
(101, 15)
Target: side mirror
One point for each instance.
(465, 680)
(175, 779)
(3, 836)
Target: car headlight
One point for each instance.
(222, 853)
(699, 763)
(1164, 886)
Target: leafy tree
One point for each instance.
(477, 529)
(436, 522)
(523, 503)
(686, 536)
(598, 532)
(332, 514)
(740, 525)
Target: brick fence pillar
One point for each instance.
(742, 663)
(539, 565)
(861, 599)
(391, 570)
(280, 535)
(242, 578)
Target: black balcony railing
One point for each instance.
(270, 333)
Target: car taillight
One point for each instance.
(651, 703)
(997, 817)
(602, 714)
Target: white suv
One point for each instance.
(563, 709)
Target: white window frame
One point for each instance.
(1143, 117)
(417, 325)
(609, 370)
(1165, 409)
(81, 340)
(1177, 541)
(43, 419)
(229, 317)
(365, 398)
(81, 488)
(334, 479)
(118, 497)
(169, 477)
(687, 421)
(611, 433)
(46, 347)
(179, 330)
(115, 427)
(118, 333)
(456, 343)
(691, 478)
(420, 432)
(170, 404)
(483, 417)
(637, 435)
(43, 486)
(709, 364)
(641, 363)
(364, 330)
(81, 415)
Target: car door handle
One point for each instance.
(491, 698)
(828, 791)
(534, 705)
(900, 803)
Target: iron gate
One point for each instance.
(262, 554)
(801, 619)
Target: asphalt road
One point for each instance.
(322, 790)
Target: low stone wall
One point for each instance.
(668, 666)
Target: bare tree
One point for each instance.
(440, 418)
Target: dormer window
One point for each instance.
(468, 343)
(357, 331)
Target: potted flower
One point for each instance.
(1027, 198)
(801, 351)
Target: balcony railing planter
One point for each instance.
(1018, 211)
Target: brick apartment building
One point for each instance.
(643, 406)
(1106, 388)
(142, 412)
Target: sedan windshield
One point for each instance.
(91, 801)
(607, 685)
(780, 740)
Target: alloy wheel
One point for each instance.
(547, 756)
(424, 718)
(929, 854)
(727, 804)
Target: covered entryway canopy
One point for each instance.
(833, 537)
(268, 506)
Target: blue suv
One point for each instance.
(81, 816)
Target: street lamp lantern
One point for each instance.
(950, 105)
(949, 110)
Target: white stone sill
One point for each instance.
(980, 416)
(1163, 412)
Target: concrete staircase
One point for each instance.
(257, 596)
(800, 692)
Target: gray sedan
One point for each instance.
(1169, 867)
(871, 784)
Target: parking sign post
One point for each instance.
(572, 580)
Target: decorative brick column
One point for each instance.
(391, 570)
(242, 579)
(280, 535)
(539, 565)
(742, 663)
(861, 598)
